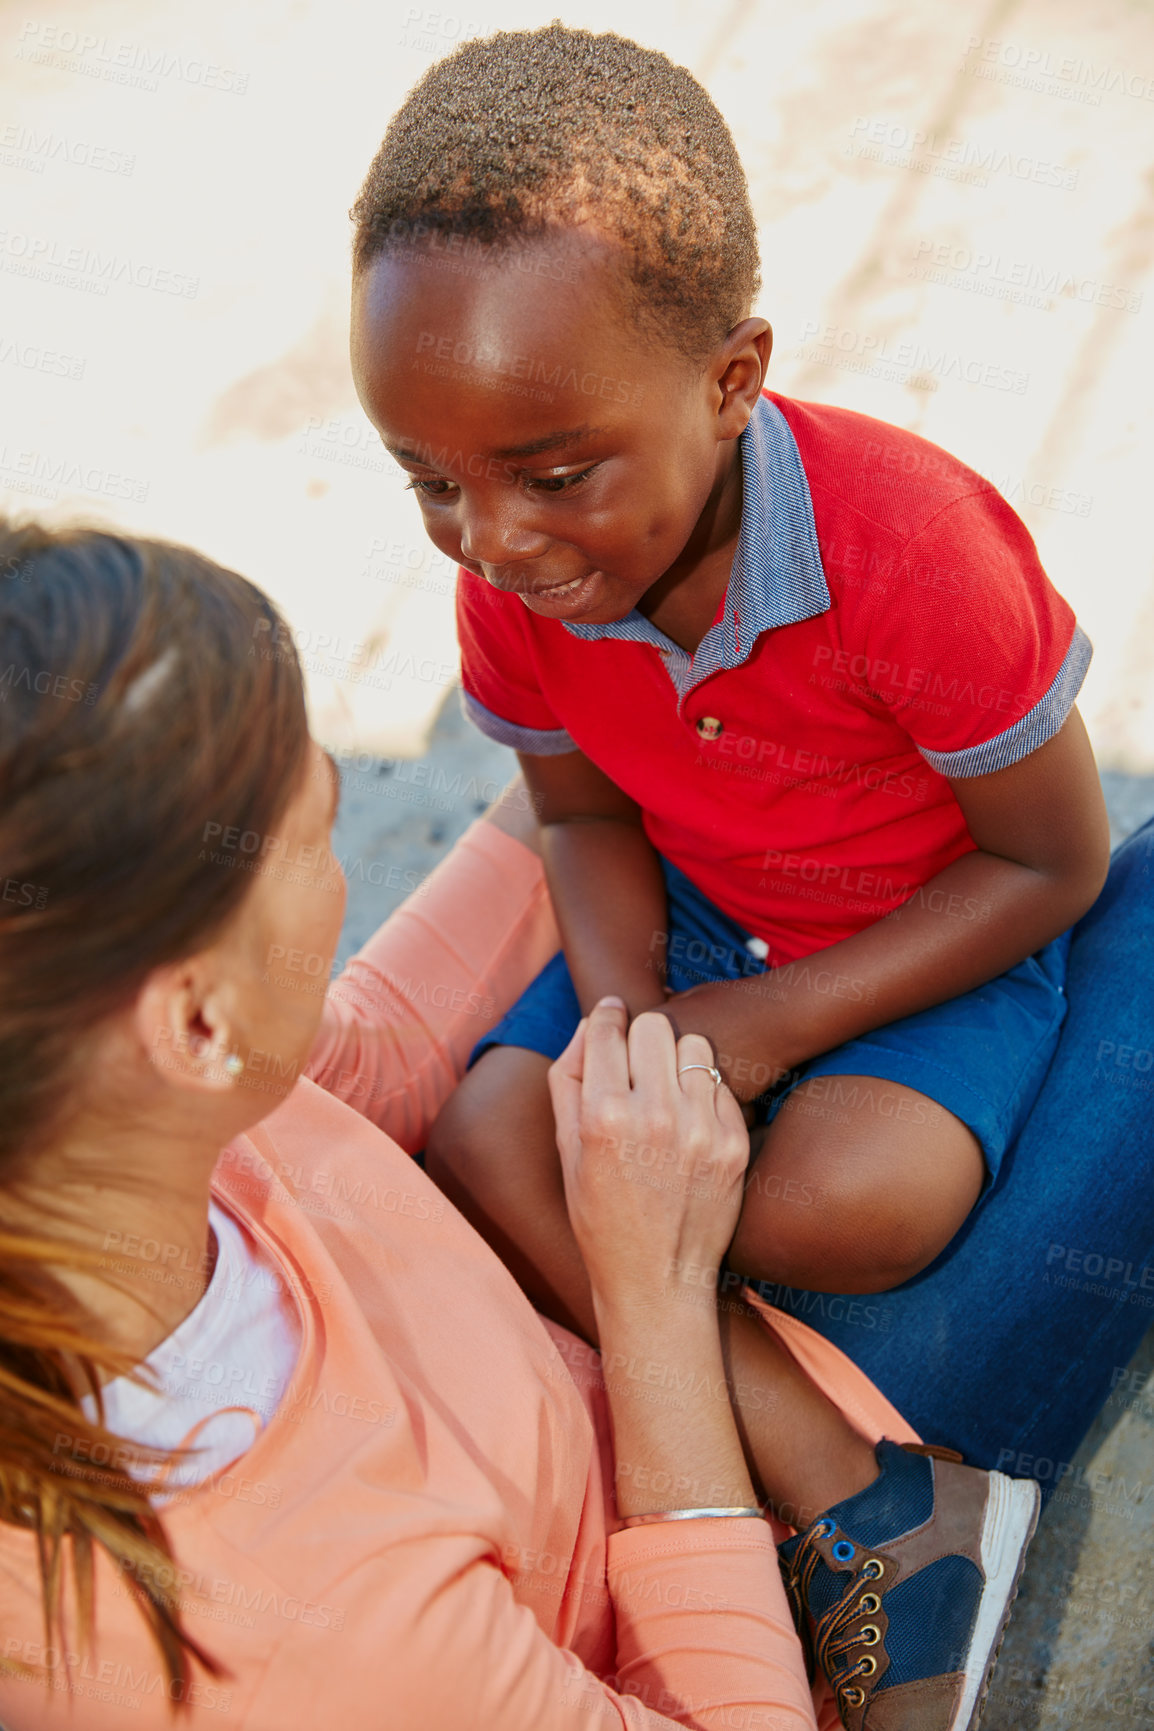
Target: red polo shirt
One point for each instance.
(887, 625)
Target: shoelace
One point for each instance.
(827, 1644)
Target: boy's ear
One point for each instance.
(741, 366)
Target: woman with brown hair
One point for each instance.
(281, 1441)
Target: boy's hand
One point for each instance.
(732, 1016)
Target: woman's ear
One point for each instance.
(740, 369)
(183, 1028)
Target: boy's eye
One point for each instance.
(432, 489)
(558, 483)
(436, 487)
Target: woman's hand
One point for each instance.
(653, 1164)
(653, 1160)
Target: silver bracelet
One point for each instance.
(692, 1515)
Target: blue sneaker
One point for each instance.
(901, 1594)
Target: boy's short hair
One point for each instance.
(525, 131)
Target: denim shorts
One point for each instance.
(982, 1056)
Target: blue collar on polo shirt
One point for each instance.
(777, 577)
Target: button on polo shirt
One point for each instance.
(887, 625)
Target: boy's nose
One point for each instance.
(499, 536)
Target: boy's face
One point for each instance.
(554, 452)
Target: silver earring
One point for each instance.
(233, 1066)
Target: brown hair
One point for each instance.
(141, 698)
(514, 133)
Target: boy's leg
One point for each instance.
(493, 1151)
(857, 1185)
(874, 1161)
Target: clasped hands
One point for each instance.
(653, 1160)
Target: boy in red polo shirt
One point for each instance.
(790, 686)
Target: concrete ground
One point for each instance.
(1078, 1653)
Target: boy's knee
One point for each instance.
(497, 1112)
(777, 1233)
(814, 1240)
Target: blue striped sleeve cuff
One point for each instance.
(536, 741)
(1040, 724)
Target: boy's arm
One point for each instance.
(605, 880)
(1042, 851)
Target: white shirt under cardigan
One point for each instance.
(219, 1377)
